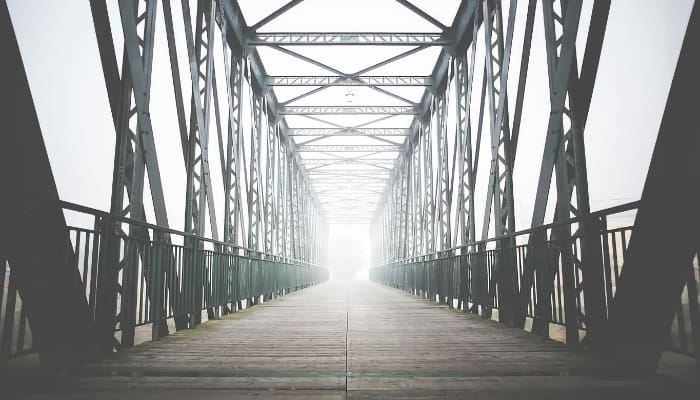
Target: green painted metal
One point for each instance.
(178, 275)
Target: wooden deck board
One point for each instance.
(357, 341)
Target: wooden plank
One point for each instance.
(356, 341)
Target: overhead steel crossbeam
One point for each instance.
(352, 161)
(350, 129)
(369, 181)
(420, 41)
(330, 188)
(343, 75)
(356, 201)
(344, 200)
(358, 204)
(359, 215)
(349, 192)
(348, 195)
(348, 177)
(275, 14)
(347, 110)
(348, 148)
(281, 41)
(348, 184)
(418, 11)
(382, 80)
(349, 180)
(338, 192)
(349, 132)
(349, 187)
(348, 38)
(347, 172)
(359, 211)
(349, 219)
(340, 206)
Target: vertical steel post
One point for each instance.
(500, 189)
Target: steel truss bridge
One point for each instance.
(77, 294)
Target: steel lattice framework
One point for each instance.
(414, 183)
(269, 206)
(348, 38)
(425, 227)
(349, 132)
(348, 81)
(347, 110)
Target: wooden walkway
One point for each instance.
(356, 341)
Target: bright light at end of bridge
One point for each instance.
(349, 251)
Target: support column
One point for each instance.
(50, 286)
(665, 237)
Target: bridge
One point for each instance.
(292, 133)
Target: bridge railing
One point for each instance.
(161, 275)
(535, 279)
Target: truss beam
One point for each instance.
(349, 81)
(347, 110)
(348, 38)
(347, 148)
(349, 132)
(324, 161)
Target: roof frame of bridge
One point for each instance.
(249, 38)
(349, 132)
(236, 37)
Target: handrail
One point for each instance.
(89, 210)
(600, 213)
(566, 283)
(164, 274)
